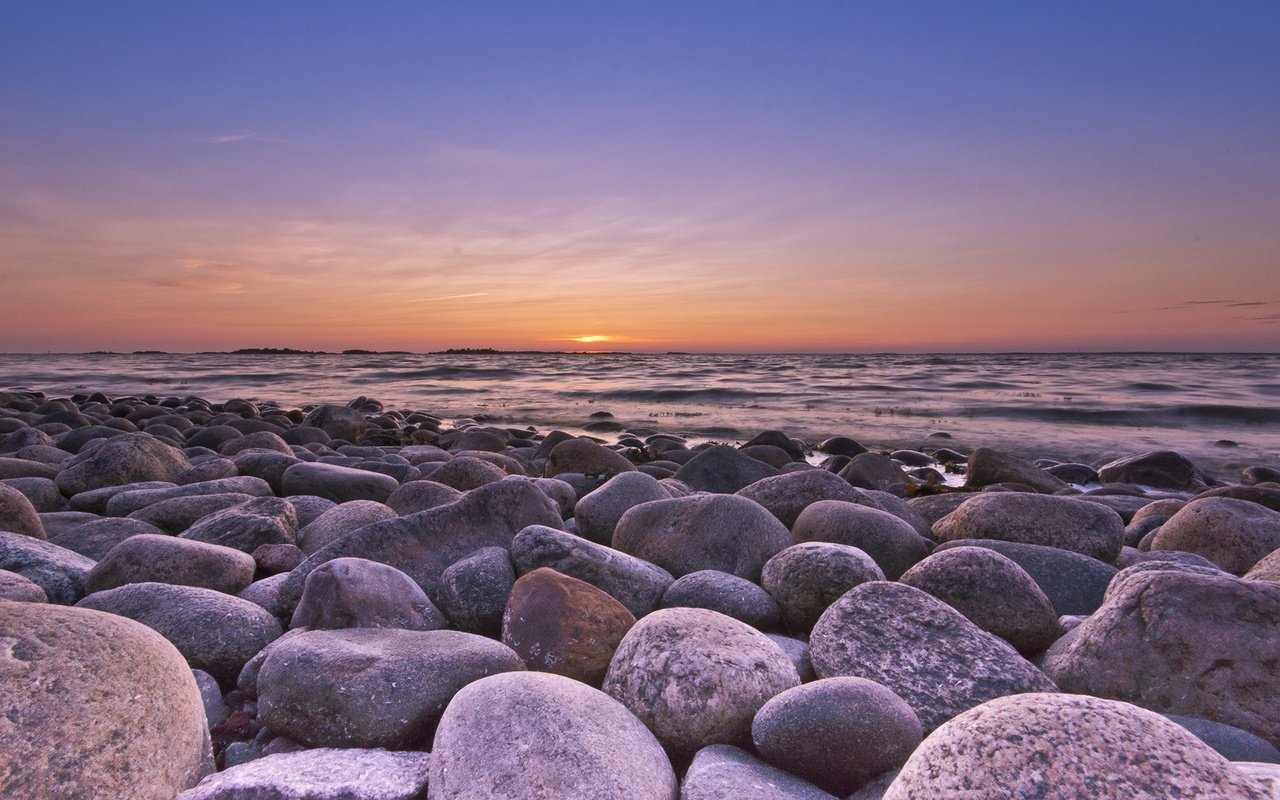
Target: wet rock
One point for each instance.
(1061, 522)
(321, 774)
(585, 457)
(598, 512)
(1162, 469)
(687, 534)
(837, 733)
(129, 458)
(165, 559)
(987, 467)
(357, 593)
(637, 584)
(95, 706)
(696, 677)
(1234, 534)
(1181, 643)
(340, 520)
(523, 734)
(806, 578)
(890, 541)
(1066, 746)
(725, 772)
(1077, 474)
(17, 515)
(60, 572)
(993, 592)
(565, 626)
(722, 469)
(248, 526)
(337, 483)
(215, 632)
(728, 594)
(932, 657)
(874, 471)
(339, 422)
(370, 687)
(473, 591)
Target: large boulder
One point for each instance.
(838, 733)
(1074, 583)
(337, 483)
(987, 466)
(890, 541)
(1234, 534)
(1061, 522)
(534, 736)
(686, 534)
(322, 773)
(808, 577)
(565, 626)
(598, 512)
(723, 470)
(993, 592)
(696, 677)
(17, 515)
(215, 632)
(1161, 469)
(1062, 747)
(95, 705)
(358, 593)
(637, 584)
(1182, 643)
(370, 687)
(930, 656)
(725, 772)
(423, 545)
(119, 460)
(157, 558)
(60, 572)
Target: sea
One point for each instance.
(1220, 410)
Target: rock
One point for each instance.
(177, 514)
(95, 501)
(527, 735)
(696, 677)
(321, 774)
(340, 520)
(337, 483)
(95, 706)
(42, 493)
(1063, 746)
(357, 593)
(837, 733)
(95, 538)
(215, 632)
(370, 687)
(61, 573)
(1129, 573)
(465, 473)
(273, 559)
(585, 457)
(18, 589)
(1268, 569)
(598, 512)
(987, 467)
(248, 526)
(565, 626)
(1182, 643)
(785, 496)
(127, 502)
(874, 471)
(934, 507)
(1077, 474)
(17, 515)
(1162, 469)
(1262, 495)
(840, 446)
(422, 545)
(165, 559)
(215, 707)
(128, 458)
(473, 591)
(267, 466)
(891, 542)
(25, 468)
(932, 657)
(1074, 583)
(993, 592)
(1229, 741)
(338, 422)
(725, 772)
(798, 652)
(416, 496)
(637, 584)
(1061, 522)
(561, 492)
(266, 593)
(1234, 534)
(806, 578)
(730, 595)
(260, 440)
(687, 534)
(723, 470)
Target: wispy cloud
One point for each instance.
(232, 138)
(1221, 304)
(447, 297)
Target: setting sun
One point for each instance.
(591, 339)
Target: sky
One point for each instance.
(696, 176)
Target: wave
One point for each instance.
(445, 373)
(687, 395)
(1193, 414)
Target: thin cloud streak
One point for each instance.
(448, 297)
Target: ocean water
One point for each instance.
(1223, 411)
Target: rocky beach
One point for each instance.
(242, 599)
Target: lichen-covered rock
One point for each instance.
(535, 736)
(1064, 747)
(95, 705)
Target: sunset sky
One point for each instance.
(706, 176)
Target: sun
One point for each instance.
(591, 339)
